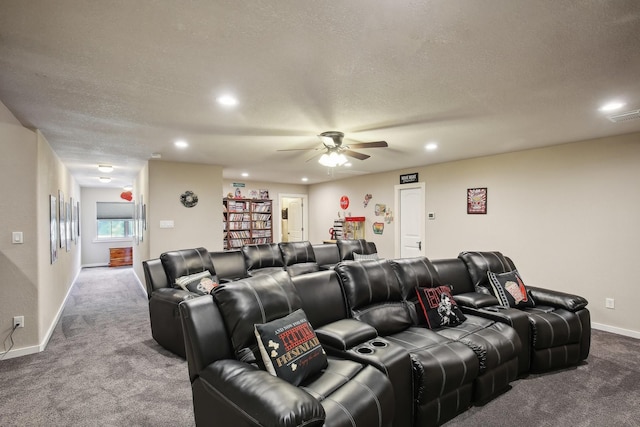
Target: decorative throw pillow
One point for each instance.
(363, 257)
(199, 283)
(510, 290)
(290, 349)
(438, 307)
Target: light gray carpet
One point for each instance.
(102, 368)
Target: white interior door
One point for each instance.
(295, 224)
(410, 221)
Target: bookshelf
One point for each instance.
(247, 222)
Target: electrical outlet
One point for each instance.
(609, 303)
(18, 321)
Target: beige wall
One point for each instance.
(567, 215)
(198, 226)
(30, 285)
(54, 280)
(19, 207)
(141, 250)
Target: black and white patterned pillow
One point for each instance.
(510, 290)
(364, 257)
(199, 283)
(290, 348)
(438, 307)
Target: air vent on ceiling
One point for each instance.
(626, 116)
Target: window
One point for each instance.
(115, 220)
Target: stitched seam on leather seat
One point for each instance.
(341, 406)
(258, 300)
(375, 398)
(230, 402)
(286, 294)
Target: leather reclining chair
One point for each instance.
(263, 258)
(160, 275)
(298, 257)
(448, 363)
(560, 323)
(234, 393)
(347, 247)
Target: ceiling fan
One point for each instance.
(336, 152)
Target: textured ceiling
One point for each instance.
(114, 81)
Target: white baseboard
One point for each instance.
(23, 351)
(95, 264)
(144, 289)
(616, 330)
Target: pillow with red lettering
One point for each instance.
(290, 348)
(438, 307)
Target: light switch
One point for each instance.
(166, 223)
(16, 237)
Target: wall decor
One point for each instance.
(53, 227)
(409, 178)
(380, 209)
(378, 227)
(344, 202)
(141, 218)
(74, 237)
(388, 216)
(477, 200)
(61, 220)
(367, 197)
(189, 199)
(78, 216)
(126, 195)
(67, 228)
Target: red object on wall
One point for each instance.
(126, 195)
(344, 202)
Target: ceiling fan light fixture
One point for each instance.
(332, 159)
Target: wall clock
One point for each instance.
(188, 199)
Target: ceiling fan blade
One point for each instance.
(302, 149)
(374, 144)
(355, 154)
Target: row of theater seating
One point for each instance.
(384, 366)
(294, 257)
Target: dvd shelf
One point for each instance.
(246, 222)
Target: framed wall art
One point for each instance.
(53, 227)
(477, 200)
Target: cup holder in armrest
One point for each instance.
(365, 350)
(378, 343)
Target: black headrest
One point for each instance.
(296, 252)
(185, 262)
(262, 256)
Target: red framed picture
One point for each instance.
(477, 200)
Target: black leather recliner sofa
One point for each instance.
(364, 316)
(161, 274)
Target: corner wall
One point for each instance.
(193, 227)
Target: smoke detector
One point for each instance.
(624, 117)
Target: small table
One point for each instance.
(119, 257)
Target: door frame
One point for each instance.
(396, 192)
(305, 214)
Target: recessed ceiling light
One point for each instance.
(431, 146)
(104, 179)
(128, 187)
(611, 106)
(305, 179)
(347, 165)
(156, 155)
(105, 168)
(245, 174)
(181, 143)
(227, 100)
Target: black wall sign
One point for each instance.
(409, 178)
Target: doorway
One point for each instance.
(410, 220)
(293, 217)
